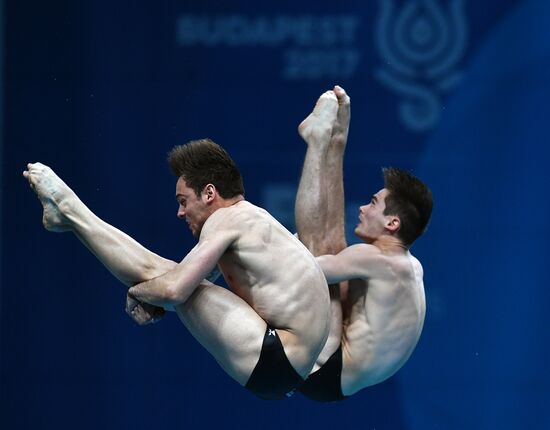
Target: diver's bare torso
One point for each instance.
(385, 315)
(277, 276)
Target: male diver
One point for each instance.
(376, 287)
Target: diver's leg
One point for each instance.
(311, 208)
(125, 258)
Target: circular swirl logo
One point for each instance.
(420, 46)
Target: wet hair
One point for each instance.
(202, 162)
(409, 199)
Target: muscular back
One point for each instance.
(275, 274)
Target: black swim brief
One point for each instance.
(324, 385)
(273, 378)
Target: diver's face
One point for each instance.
(192, 208)
(372, 220)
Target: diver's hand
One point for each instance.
(143, 313)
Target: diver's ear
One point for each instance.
(393, 223)
(209, 193)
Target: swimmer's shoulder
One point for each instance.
(407, 267)
(223, 220)
(368, 253)
(368, 258)
(244, 212)
(365, 249)
(382, 264)
(416, 265)
(235, 216)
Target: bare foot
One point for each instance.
(341, 125)
(317, 127)
(52, 192)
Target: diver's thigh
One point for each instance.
(227, 327)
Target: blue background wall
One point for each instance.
(455, 90)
